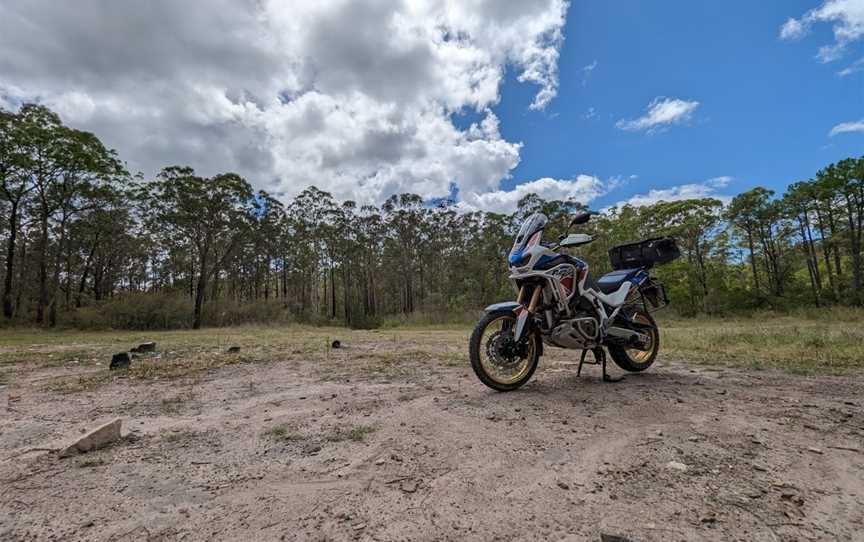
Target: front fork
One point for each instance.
(524, 314)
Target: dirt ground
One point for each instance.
(379, 441)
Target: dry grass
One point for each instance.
(814, 342)
(185, 355)
(282, 433)
(826, 345)
(355, 434)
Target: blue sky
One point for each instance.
(766, 106)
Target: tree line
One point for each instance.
(87, 243)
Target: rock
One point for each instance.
(693, 439)
(409, 486)
(814, 450)
(233, 349)
(563, 485)
(677, 466)
(143, 348)
(380, 461)
(336, 344)
(708, 519)
(312, 449)
(760, 468)
(98, 438)
(120, 361)
(604, 537)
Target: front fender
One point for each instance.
(512, 306)
(504, 306)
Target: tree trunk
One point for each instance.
(753, 259)
(811, 270)
(87, 264)
(10, 260)
(825, 255)
(43, 271)
(833, 227)
(199, 292)
(855, 247)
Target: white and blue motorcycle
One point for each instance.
(559, 304)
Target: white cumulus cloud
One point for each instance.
(847, 17)
(661, 113)
(706, 189)
(582, 189)
(847, 127)
(353, 96)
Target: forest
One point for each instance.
(87, 244)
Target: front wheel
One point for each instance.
(637, 360)
(497, 360)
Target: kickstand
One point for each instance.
(582, 362)
(600, 357)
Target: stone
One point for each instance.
(675, 465)
(144, 348)
(98, 438)
(605, 537)
(336, 344)
(120, 360)
(563, 485)
(815, 450)
(233, 349)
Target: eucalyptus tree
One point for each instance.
(799, 202)
(849, 176)
(743, 213)
(209, 216)
(694, 223)
(403, 216)
(14, 188)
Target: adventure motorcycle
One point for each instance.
(559, 304)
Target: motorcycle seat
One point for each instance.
(611, 282)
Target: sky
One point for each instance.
(602, 101)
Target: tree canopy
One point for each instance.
(84, 239)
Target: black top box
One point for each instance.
(646, 253)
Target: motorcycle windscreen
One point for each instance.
(532, 225)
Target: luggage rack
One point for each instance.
(653, 295)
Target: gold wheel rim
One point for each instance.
(642, 356)
(503, 374)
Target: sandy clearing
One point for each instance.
(441, 456)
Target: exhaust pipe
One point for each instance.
(628, 337)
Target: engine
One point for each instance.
(581, 332)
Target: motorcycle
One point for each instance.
(559, 304)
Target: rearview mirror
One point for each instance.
(580, 218)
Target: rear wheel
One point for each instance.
(497, 360)
(636, 360)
